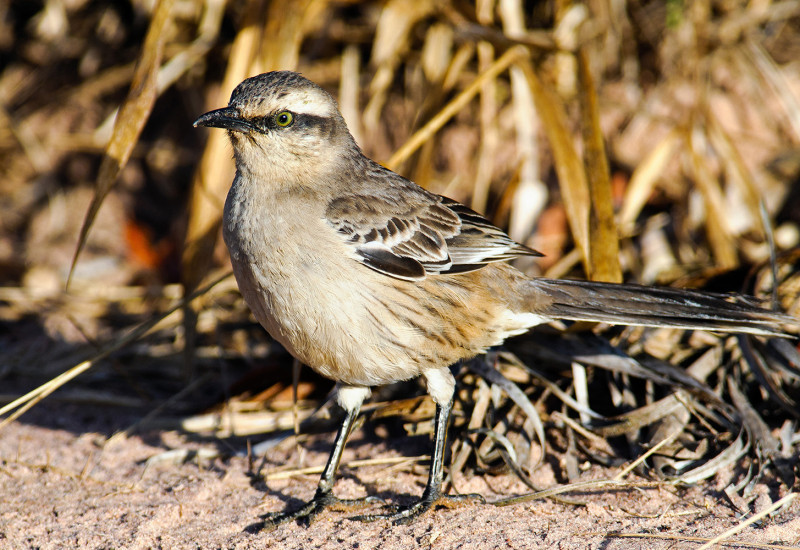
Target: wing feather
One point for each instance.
(406, 232)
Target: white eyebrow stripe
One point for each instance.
(309, 105)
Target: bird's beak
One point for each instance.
(227, 117)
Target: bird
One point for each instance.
(370, 279)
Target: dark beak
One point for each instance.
(227, 117)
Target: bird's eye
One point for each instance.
(284, 119)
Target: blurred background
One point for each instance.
(651, 141)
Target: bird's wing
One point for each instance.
(406, 232)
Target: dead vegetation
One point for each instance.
(654, 142)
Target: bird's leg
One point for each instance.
(432, 495)
(324, 497)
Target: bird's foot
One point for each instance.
(308, 512)
(407, 514)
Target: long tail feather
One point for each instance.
(629, 304)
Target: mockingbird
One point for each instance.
(370, 279)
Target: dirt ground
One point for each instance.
(62, 488)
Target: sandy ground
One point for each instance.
(62, 489)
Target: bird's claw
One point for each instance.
(406, 514)
(308, 512)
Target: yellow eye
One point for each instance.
(284, 119)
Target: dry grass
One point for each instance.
(655, 142)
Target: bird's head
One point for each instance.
(283, 125)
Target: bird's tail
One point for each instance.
(629, 304)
